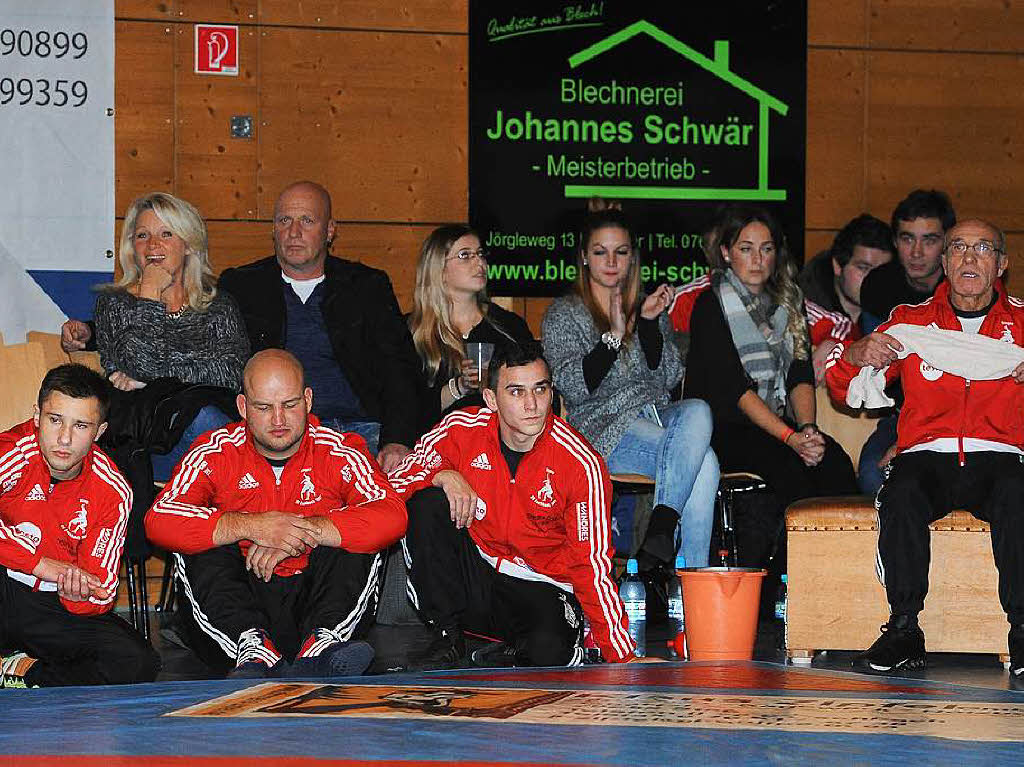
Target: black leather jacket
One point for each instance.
(370, 339)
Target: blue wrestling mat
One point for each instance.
(639, 714)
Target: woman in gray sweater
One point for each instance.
(614, 364)
(164, 318)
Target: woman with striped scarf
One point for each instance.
(749, 359)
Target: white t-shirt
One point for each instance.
(303, 288)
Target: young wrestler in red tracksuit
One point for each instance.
(320, 597)
(47, 522)
(539, 545)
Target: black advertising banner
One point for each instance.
(670, 108)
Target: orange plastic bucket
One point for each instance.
(720, 605)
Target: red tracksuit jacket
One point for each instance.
(331, 475)
(551, 518)
(938, 404)
(81, 521)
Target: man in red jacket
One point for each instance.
(277, 523)
(960, 442)
(63, 513)
(509, 530)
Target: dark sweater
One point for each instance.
(499, 327)
(714, 372)
(886, 288)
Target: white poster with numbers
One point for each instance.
(56, 160)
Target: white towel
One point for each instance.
(968, 355)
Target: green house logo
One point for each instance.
(718, 66)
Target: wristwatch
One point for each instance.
(611, 340)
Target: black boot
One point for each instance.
(446, 649)
(901, 645)
(1015, 640)
(659, 546)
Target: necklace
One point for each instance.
(177, 314)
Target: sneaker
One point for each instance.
(1015, 641)
(446, 649)
(901, 645)
(325, 654)
(495, 655)
(13, 669)
(256, 658)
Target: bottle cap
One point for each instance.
(680, 562)
(631, 567)
(785, 578)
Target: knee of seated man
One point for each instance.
(426, 506)
(547, 647)
(137, 662)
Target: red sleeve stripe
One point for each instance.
(597, 508)
(15, 460)
(697, 285)
(9, 533)
(111, 561)
(401, 476)
(835, 354)
(189, 469)
(363, 473)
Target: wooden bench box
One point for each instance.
(835, 601)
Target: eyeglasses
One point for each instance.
(466, 254)
(981, 248)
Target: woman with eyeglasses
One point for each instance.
(450, 310)
(749, 359)
(613, 360)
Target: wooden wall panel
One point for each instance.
(1015, 249)
(947, 25)
(838, 23)
(160, 10)
(215, 172)
(951, 122)
(379, 119)
(429, 15)
(835, 136)
(216, 11)
(144, 111)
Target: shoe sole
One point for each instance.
(909, 663)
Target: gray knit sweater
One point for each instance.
(138, 337)
(603, 416)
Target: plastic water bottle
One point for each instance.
(780, 600)
(634, 599)
(676, 619)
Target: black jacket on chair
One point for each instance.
(371, 341)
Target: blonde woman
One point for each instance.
(749, 359)
(613, 361)
(451, 309)
(164, 318)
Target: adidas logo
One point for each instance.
(481, 462)
(247, 482)
(36, 494)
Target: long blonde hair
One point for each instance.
(781, 285)
(600, 216)
(437, 341)
(184, 220)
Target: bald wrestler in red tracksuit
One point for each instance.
(82, 522)
(322, 596)
(537, 550)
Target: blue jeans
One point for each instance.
(678, 455)
(869, 475)
(368, 430)
(209, 418)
